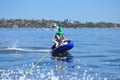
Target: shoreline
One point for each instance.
(49, 28)
(24, 23)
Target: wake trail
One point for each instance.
(25, 50)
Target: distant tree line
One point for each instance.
(31, 23)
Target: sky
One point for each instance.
(74, 10)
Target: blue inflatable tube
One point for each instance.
(64, 48)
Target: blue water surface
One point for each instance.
(96, 54)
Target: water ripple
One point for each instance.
(114, 51)
(112, 60)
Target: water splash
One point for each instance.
(15, 44)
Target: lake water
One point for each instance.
(96, 55)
